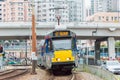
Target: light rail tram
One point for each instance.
(59, 51)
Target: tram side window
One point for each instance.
(73, 43)
(42, 50)
(45, 46)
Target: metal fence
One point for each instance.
(95, 70)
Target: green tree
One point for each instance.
(117, 44)
(103, 45)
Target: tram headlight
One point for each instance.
(58, 59)
(68, 59)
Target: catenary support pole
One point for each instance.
(33, 54)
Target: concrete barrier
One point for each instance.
(95, 70)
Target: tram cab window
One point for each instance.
(62, 44)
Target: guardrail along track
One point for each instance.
(6, 75)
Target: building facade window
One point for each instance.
(107, 18)
(20, 4)
(99, 18)
(115, 18)
(20, 9)
(20, 14)
(111, 18)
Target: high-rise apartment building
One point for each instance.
(104, 6)
(47, 11)
(1, 10)
(15, 10)
(69, 10)
(77, 10)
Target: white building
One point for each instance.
(104, 6)
(46, 11)
(77, 10)
(104, 17)
(70, 10)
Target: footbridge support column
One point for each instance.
(97, 51)
(111, 47)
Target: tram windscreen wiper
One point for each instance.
(61, 49)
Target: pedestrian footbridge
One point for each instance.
(84, 30)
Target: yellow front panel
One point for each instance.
(63, 56)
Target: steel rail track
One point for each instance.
(9, 74)
(71, 76)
